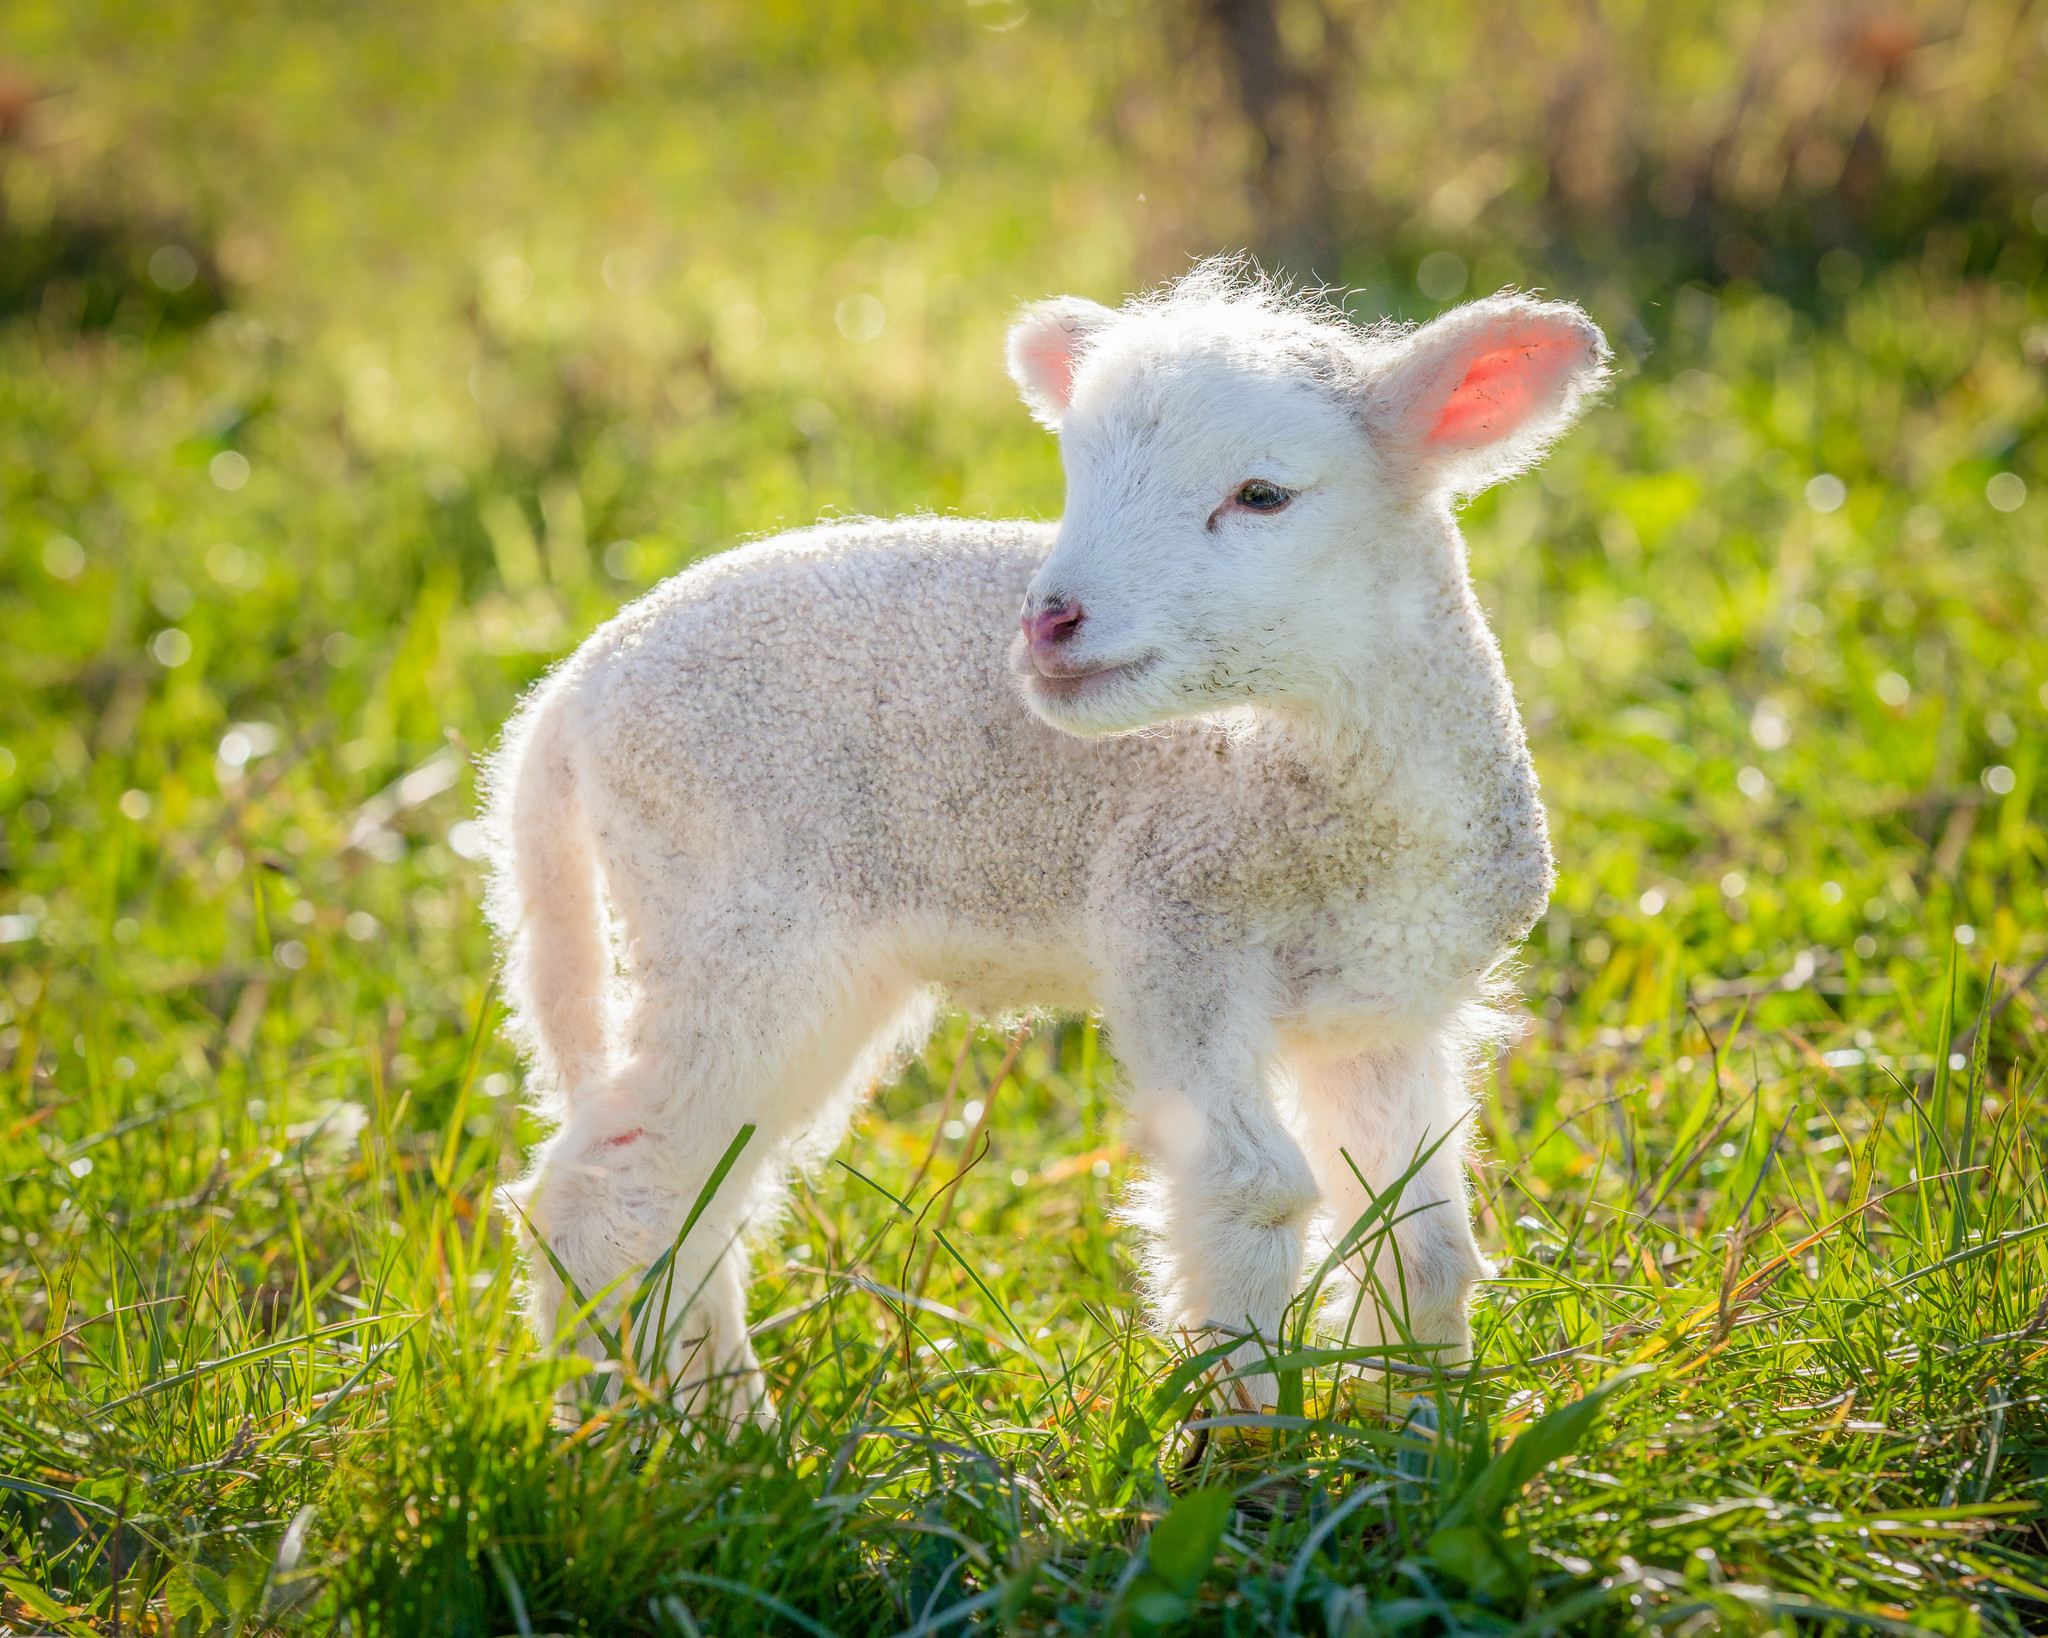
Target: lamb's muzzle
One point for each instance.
(1047, 633)
(823, 779)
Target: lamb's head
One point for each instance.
(1254, 484)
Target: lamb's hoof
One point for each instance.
(1280, 1497)
(1243, 1458)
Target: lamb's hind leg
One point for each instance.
(1397, 1109)
(611, 1190)
(606, 1197)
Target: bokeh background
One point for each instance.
(355, 361)
(373, 355)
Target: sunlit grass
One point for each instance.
(297, 1383)
(1765, 1350)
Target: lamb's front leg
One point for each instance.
(1231, 1198)
(1397, 1110)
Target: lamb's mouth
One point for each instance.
(1072, 687)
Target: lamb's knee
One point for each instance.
(1232, 1161)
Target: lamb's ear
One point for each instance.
(1479, 394)
(1046, 344)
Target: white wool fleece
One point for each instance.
(1251, 784)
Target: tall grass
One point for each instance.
(1803, 1386)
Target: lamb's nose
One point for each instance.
(1051, 626)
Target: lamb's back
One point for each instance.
(839, 699)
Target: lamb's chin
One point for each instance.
(1096, 706)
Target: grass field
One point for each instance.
(405, 355)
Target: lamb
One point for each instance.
(1246, 777)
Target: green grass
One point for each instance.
(1763, 1177)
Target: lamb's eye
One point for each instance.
(1261, 496)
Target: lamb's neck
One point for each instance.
(1422, 707)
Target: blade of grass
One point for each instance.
(665, 1263)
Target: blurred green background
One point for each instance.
(356, 361)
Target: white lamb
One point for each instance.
(1250, 782)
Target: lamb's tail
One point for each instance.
(544, 895)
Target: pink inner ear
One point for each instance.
(1503, 386)
(1050, 357)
